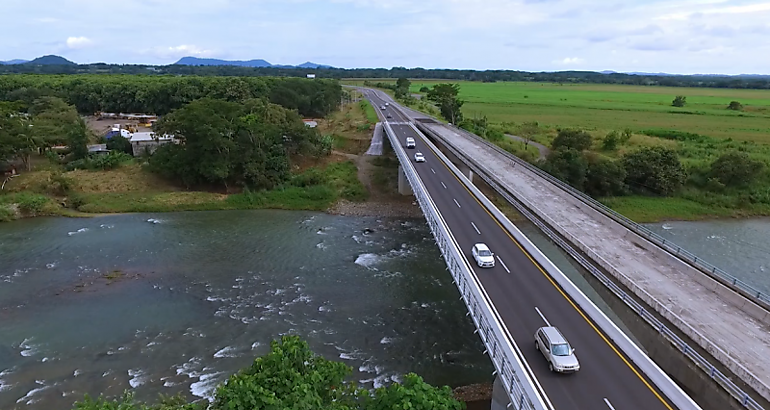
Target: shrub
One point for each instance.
(679, 101)
(610, 141)
(574, 139)
(735, 106)
(105, 162)
(605, 177)
(736, 169)
(654, 169)
(676, 135)
(120, 143)
(568, 165)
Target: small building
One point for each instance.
(148, 142)
(311, 76)
(99, 149)
(311, 123)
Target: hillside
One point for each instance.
(50, 60)
(216, 62)
(195, 61)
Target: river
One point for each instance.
(739, 246)
(174, 303)
(190, 298)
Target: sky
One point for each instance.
(672, 36)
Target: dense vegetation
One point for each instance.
(163, 94)
(247, 143)
(711, 81)
(291, 376)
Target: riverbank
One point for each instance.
(346, 182)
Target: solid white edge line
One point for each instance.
(442, 184)
(503, 263)
(477, 229)
(607, 402)
(542, 316)
(457, 203)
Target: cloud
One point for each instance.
(176, 52)
(570, 61)
(78, 42)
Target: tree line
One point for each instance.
(708, 81)
(655, 171)
(163, 94)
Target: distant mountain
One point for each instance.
(50, 60)
(313, 65)
(251, 63)
(12, 62)
(213, 61)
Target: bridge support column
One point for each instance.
(403, 184)
(500, 399)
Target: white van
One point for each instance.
(410, 142)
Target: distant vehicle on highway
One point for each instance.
(382, 108)
(410, 142)
(557, 351)
(418, 157)
(387, 104)
(483, 256)
(389, 116)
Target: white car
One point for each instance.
(410, 142)
(387, 104)
(418, 157)
(483, 256)
(382, 108)
(557, 351)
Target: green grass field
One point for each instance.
(602, 108)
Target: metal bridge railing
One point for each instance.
(524, 208)
(510, 367)
(763, 299)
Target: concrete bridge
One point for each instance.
(525, 290)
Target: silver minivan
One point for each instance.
(557, 351)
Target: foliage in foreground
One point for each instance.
(291, 376)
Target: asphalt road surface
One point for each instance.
(517, 286)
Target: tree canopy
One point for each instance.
(654, 170)
(162, 94)
(222, 142)
(292, 377)
(578, 140)
(445, 96)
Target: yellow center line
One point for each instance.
(555, 285)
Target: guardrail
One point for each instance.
(502, 351)
(763, 299)
(524, 208)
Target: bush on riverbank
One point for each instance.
(291, 376)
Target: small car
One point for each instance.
(556, 350)
(387, 104)
(483, 256)
(389, 116)
(418, 157)
(410, 142)
(382, 108)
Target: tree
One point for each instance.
(578, 140)
(77, 140)
(679, 101)
(568, 165)
(120, 143)
(413, 393)
(445, 96)
(736, 169)
(424, 89)
(735, 105)
(402, 88)
(527, 131)
(605, 177)
(654, 169)
(610, 141)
